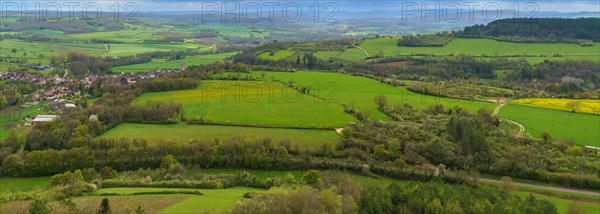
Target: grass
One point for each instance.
(12, 116)
(361, 91)
(213, 200)
(173, 64)
(325, 55)
(39, 52)
(236, 31)
(586, 106)
(277, 56)
(501, 74)
(44, 31)
(581, 128)
(8, 184)
(479, 47)
(138, 48)
(253, 102)
(562, 205)
(127, 36)
(353, 54)
(183, 133)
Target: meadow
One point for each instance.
(211, 200)
(173, 64)
(38, 52)
(253, 102)
(277, 56)
(481, 47)
(9, 184)
(326, 55)
(11, 117)
(562, 205)
(580, 128)
(125, 36)
(183, 133)
(586, 106)
(347, 89)
(138, 48)
(237, 31)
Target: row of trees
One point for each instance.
(426, 40)
(167, 84)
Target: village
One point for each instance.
(55, 94)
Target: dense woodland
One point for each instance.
(581, 30)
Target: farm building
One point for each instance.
(43, 118)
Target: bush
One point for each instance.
(108, 173)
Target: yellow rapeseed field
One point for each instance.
(587, 106)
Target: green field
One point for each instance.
(361, 91)
(23, 184)
(138, 48)
(236, 30)
(39, 52)
(325, 55)
(480, 47)
(173, 64)
(11, 117)
(126, 36)
(562, 205)
(253, 102)
(184, 133)
(582, 128)
(212, 200)
(352, 54)
(278, 55)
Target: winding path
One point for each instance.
(497, 110)
(361, 49)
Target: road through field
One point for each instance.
(534, 186)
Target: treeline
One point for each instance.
(459, 90)
(167, 84)
(65, 25)
(560, 78)
(436, 197)
(444, 68)
(580, 30)
(426, 40)
(305, 60)
(12, 93)
(336, 193)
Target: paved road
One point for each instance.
(534, 186)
